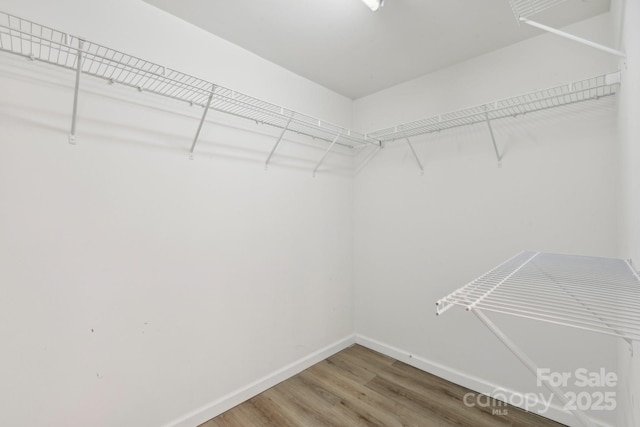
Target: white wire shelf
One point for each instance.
(38, 42)
(526, 8)
(595, 294)
(580, 91)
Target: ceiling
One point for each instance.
(345, 47)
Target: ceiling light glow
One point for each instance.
(374, 4)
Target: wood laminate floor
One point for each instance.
(359, 387)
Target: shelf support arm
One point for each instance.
(204, 116)
(72, 134)
(326, 154)
(531, 366)
(572, 37)
(368, 159)
(273, 150)
(416, 156)
(493, 140)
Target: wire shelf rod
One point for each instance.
(582, 277)
(427, 130)
(560, 300)
(599, 298)
(564, 301)
(576, 276)
(442, 305)
(25, 38)
(170, 86)
(623, 289)
(625, 331)
(523, 8)
(596, 328)
(550, 288)
(127, 82)
(603, 330)
(551, 310)
(563, 312)
(617, 330)
(557, 315)
(176, 92)
(592, 88)
(537, 103)
(494, 287)
(598, 294)
(46, 44)
(592, 279)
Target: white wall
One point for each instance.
(500, 74)
(417, 238)
(629, 105)
(137, 285)
(626, 15)
(140, 29)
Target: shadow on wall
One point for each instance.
(121, 115)
(512, 133)
(106, 114)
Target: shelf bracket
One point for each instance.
(493, 140)
(416, 156)
(204, 116)
(574, 38)
(72, 134)
(326, 154)
(368, 159)
(273, 150)
(531, 366)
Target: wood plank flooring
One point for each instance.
(359, 387)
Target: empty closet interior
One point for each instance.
(200, 200)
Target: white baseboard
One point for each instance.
(236, 397)
(471, 382)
